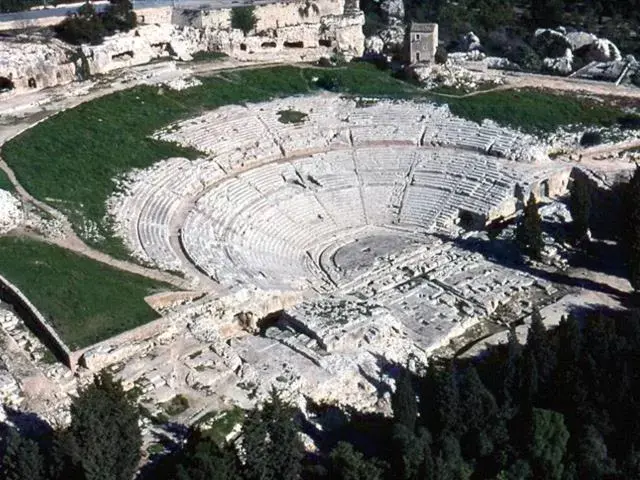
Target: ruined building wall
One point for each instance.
(287, 32)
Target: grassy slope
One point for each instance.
(70, 159)
(85, 301)
(5, 183)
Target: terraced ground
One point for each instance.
(70, 160)
(85, 301)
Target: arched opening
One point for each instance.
(6, 84)
(268, 45)
(32, 83)
(294, 44)
(243, 47)
(324, 42)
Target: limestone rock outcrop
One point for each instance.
(390, 39)
(294, 31)
(11, 214)
(559, 48)
(34, 62)
(560, 65)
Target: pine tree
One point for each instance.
(548, 444)
(348, 464)
(580, 206)
(22, 459)
(408, 453)
(273, 450)
(403, 402)
(478, 408)
(539, 344)
(511, 370)
(529, 231)
(631, 230)
(104, 433)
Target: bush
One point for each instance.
(591, 138)
(243, 18)
(441, 55)
(89, 26)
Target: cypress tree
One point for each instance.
(22, 459)
(580, 207)
(273, 450)
(539, 344)
(104, 433)
(529, 230)
(403, 402)
(348, 464)
(548, 444)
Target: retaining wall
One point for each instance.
(36, 322)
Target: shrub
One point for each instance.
(244, 18)
(441, 55)
(89, 26)
(590, 139)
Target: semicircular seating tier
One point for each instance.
(271, 199)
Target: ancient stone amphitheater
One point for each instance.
(352, 208)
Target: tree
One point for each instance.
(529, 231)
(119, 16)
(548, 444)
(408, 460)
(244, 18)
(273, 450)
(540, 346)
(22, 459)
(403, 402)
(104, 436)
(348, 464)
(201, 459)
(84, 27)
(631, 231)
(478, 408)
(580, 207)
(441, 55)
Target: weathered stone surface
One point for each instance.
(470, 42)
(33, 62)
(393, 9)
(284, 33)
(560, 65)
(373, 45)
(577, 40)
(11, 214)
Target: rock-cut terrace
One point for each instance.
(354, 208)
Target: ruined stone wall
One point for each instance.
(285, 32)
(35, 321)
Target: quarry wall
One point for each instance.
(285, 32)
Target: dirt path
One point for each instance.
(71, 241)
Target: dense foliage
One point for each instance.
(506, 27)
(90, 26)
(244, 18)
(562, 407)
(102, 442)
(631, 228)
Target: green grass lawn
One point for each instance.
(70, 159)
(534, 111)
(85, 301)
(5, 183)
